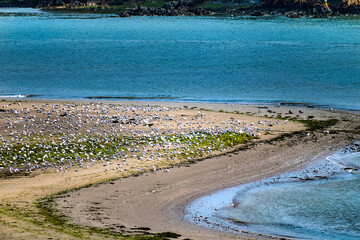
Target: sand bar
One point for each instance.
(158, 200)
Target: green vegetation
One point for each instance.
(115, 6)
(313, 125)
(212, 5)
(38, 151)
(44, 215)
(310, 123)
(58, 149)
(93, 7)
(217, 5)
(154, 3)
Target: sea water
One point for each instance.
(205, 59)
(199, 59)
(320, 202)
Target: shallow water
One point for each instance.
(245, 59)
(288, 206)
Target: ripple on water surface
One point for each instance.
(207, 59)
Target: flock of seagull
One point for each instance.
(77, 136)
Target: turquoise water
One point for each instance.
(289, 206)
(206, 59)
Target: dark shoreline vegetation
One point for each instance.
(127, 8)
(43, 213)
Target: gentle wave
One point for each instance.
(129, 97)
(19, 96)
(309, 204)
(14, 96)
(142, 41)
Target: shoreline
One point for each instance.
(157, 201)
(283, 106)
(182, 8)
(169, 215)
(170, 212)
(204, 211)
(167, 102)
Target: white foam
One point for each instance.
(14, 96)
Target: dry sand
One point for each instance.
(158, 200)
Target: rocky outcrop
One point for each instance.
(316, 8)
(290, 8)
(349, 6)
(174, 8)
(179, 8)
(72, 3)
(293, 7)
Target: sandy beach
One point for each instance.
(155, 199)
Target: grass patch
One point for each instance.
(313, 125)
(51, 150)
(42, 152)
(154, 4)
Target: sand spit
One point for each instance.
(156, 199)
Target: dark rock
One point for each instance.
(292, 14)
(322, 177)
(307, 179)
(321, 10)
(349, 6)
(296, 9)
(200, 11)
(257, 14)
(180, 8)
(124, 14)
